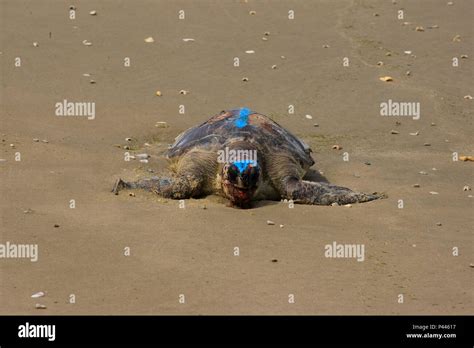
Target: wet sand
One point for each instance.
(190, 251)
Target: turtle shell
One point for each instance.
(241, 124)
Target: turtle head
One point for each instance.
(240, 180)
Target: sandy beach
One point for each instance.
(108, 254)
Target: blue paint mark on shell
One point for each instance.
(242, 121)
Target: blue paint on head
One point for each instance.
(242, 121)
(242, 165)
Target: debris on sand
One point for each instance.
(466, 158)
(149, 39)
(466, 188)
(252, 13)
(434, 193)
(38, 294)
(469, 97)
(188, 40)
(337, 147)
(40, 306)
(457, 38)
(394, 132)
(420, 28)
(386, 78)
(158, 93)
(161, 124)
(86, 43)
(93, 13)
(245, 79)
(416, 185)
(269, 222)
(309, 117)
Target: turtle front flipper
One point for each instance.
(321, 193)
(180, 187)
(153, 184)
(192, 175)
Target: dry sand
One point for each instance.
(190, 251)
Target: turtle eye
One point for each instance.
(232, 173)
(250, 176)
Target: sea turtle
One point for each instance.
(243, 156)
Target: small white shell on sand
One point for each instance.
(38, 294)
(143, 155)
